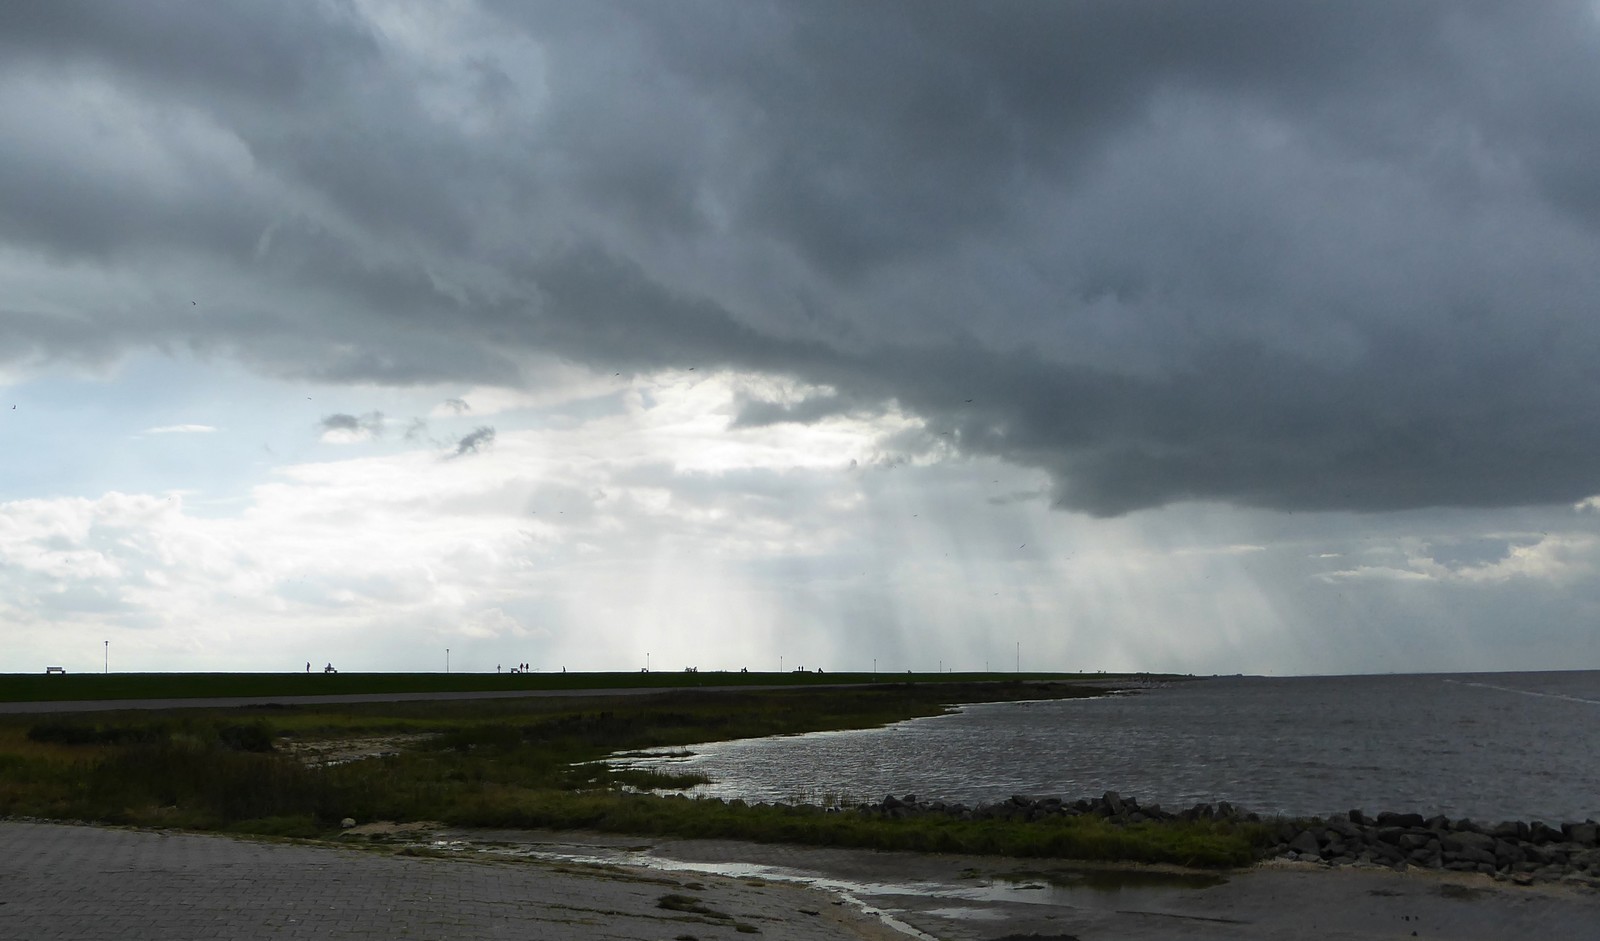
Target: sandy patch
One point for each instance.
(338, 751)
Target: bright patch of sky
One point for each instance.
(737, 334)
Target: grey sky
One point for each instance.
(1295, 258)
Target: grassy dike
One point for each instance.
(526, 763)
(38, 687)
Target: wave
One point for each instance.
(1526, 692)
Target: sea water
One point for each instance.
(1493, 746)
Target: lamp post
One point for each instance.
(447, 660)
(108, 657)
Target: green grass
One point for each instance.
(524, 762)
(1198, 843)
(32, 687)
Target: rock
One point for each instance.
(1387, 819)
(1344, 828)
(1410, 842)
(1476, 857)
(1305, 843)
(1462, 840)
(1391, 835)
(1583, 834)
(1506, 853)
(1424, 857)
(347, 822)
(1113, 802)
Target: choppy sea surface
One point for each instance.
(1489, 746)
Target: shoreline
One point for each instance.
(438, 883)
(442, 883)
(1518, 851)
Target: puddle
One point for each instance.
(1098, 889)
(1117, 880)
(969, 914)
(588, 854)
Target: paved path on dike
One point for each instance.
(229, 702)
(99, 884)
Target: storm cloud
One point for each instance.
(1273, 255)
(474, 441)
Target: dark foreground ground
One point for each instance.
(87, 883)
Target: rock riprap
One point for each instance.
(1517, 851)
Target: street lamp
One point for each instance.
(108, 656)
(447, 660)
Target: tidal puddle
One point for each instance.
(971, 896)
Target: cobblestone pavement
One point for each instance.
(90, 883)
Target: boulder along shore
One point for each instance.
(1521, 852)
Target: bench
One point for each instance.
(50, 670)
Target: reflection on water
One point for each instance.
(1486, 746)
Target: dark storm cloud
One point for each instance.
(341, 422)
(1282, 255)
(370, 423)
(754, 414)
(475, 441)
(277, 53)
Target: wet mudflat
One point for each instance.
(956, 898)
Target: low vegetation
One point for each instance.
(526, 762)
